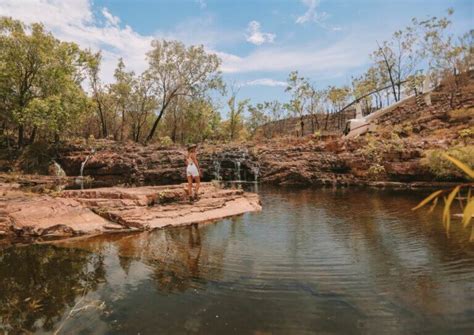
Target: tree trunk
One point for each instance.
(122, 125)
(33, 135)
(21, 132)
(302, 126)
(155, 125)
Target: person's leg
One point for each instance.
(190, 187)
(198, 184)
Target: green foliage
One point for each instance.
(443, 168)
(376, 169)
(180, 71)
(466, 134)
(466, 203)
(317, 134)
(166, 141)
(40, 80)
(36, 158)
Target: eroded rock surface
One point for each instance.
(101, 210)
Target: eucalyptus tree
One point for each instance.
(337, 98)
(257, 118)
(398, 58)
(298, 87)
(446, 54)
(122, 93)
(142, 104)
(177, 70)
(39, 80)
(236, 115)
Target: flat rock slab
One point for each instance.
(95, 211)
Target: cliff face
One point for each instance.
(392, 154)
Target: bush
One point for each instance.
(36, 158)
(443, 168)
(466, 134)
(166, 141)
(461, 113)
(376, 170)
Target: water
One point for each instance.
(80, 179)
(59, 170)
(351, 261)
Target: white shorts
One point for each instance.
(192, 171)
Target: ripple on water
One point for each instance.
(313, 261)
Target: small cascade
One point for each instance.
(80, 179)
(238, 172)
(235, 166)
(256, 171)
(217, 169)
(83, 165)
(59, 171)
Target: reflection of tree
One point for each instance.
(177, 257)
(178, 268)
(38, 283)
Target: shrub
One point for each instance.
(444, 169)
(466, 134)
(166, 141)
(461, 113)
(375, 170)
(36, 158)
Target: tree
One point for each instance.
(397, 58)
(337, 98)
(298, 87)
(447, 56)
(236, 111)
(177, 70)
(39, 80)
(257, 118)
(142, 104)
(122, 92)
(98, 92)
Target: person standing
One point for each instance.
(193, 172)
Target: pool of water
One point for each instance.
(314, 261)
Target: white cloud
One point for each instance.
(74, 20)
(266, 82)
(310, 14)
(313, 15)
(343, 55)
(256, 36)
(111, 19)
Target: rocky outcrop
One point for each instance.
(392, 154)
(102, 210)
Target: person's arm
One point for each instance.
(194, 158)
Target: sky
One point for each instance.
(259, 41)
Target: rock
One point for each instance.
(96, 211)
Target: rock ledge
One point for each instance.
(116, 209)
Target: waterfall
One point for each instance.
(217, 168)
(83, 164)
(59, 171)
(238, 170)
(80, 180)
(256, 171)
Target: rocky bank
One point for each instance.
(114, 209)
(391, 155)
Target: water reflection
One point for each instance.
(39, 283)
(331, 261)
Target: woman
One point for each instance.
(193, 172)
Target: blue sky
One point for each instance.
(260, 42)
